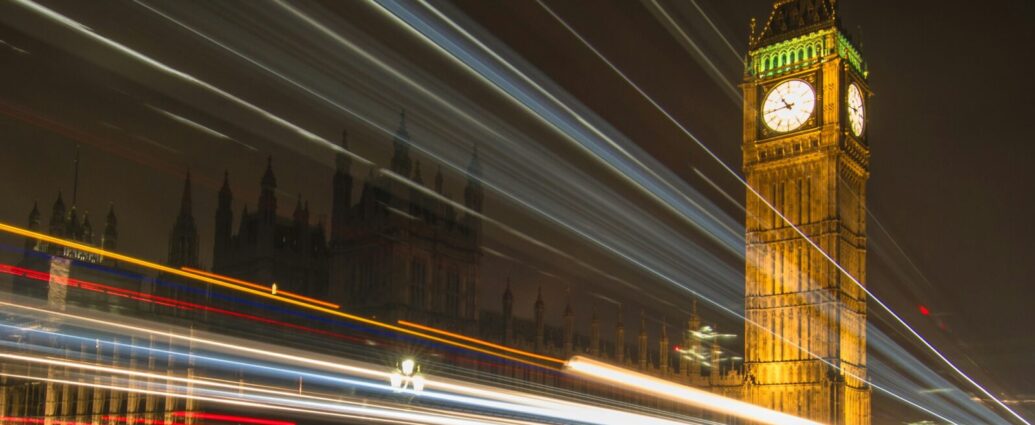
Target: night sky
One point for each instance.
(949, 192)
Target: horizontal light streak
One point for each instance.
(358, 412)
(483, 397)
(264, 294)
(163, 301)
(784, 218)
(664, 389)
(480, 341)
(260, 287)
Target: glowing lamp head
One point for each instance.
(408, 366)
(418, 383)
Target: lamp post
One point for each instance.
(407, 374)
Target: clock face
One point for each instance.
(788, 105)
(856, 111)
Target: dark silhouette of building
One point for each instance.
(396, 253)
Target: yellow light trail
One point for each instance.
(260, 287)
(664, 389)
(479, 341)
(264, 294)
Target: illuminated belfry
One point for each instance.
(806, 154)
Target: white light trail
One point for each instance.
(462, 393)
(87, 31)
(640, 263)
(780, 214)
(665, 389)
(197, 126)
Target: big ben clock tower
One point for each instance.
(806, 153)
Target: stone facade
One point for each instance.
(805, 344)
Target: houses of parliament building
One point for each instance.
(399, 252)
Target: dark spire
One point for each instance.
(183, 239)
(268, 180)
(569, 327)
(34, 216)
(539, 306)
(594, 333)
(508, 296)
(225, 194)
(341, 193)
(642, 342)
(186, 204)
(224, 224)
(34, 225)
(109, 240)
(267, 198)
(342, 162)
(401, 144)
(86, 232)
(57, 217)
(663, 348)
(72, 228)
(75, 180)
(619, 337)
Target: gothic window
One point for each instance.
(418, 283)
(810, 51)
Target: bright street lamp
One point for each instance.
(407, 375)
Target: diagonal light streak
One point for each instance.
(775, 210)
(665, 277)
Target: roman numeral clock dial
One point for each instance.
(856, 111)
(788, 105)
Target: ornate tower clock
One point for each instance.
(806, 154)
